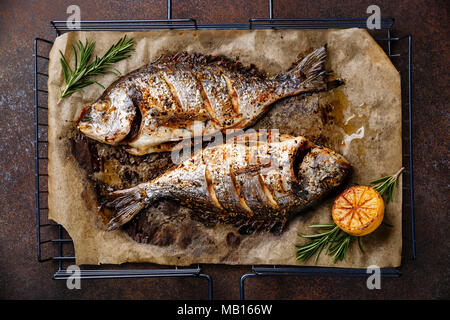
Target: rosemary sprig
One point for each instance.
(82, 72)
(335, 241)
(386, 185)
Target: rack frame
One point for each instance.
(191, 24)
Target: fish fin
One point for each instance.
(334, 84)
(247, 226)
(127, 203)
(275, 226)
(311, 69)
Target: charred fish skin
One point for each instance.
(175, 93)
(255, 186)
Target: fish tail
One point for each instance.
(127, 204)
(311, 70)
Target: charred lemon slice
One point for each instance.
(358, 210)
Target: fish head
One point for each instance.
(318, 170)
(110, 118)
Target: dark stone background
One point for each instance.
(23, 277)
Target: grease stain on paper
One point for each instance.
(350, 121)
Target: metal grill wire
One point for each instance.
(56, 230)
(405, 68)
(191, 24)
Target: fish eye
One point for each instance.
(102, 105)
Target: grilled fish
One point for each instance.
(255, 181)
(152, 108)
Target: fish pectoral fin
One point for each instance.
(127, 204)
(334, 84)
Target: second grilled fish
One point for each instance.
(255, 182)
(156, 106)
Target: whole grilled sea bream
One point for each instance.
(256, 182)
(154, 107)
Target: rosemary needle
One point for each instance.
(335, 241)
(82, 72)
(386, 185)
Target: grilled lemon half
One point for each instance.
(358, 210)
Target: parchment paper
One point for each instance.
(361, 120)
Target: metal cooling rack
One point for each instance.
(403, 62)
(59, 239)
(58, 236)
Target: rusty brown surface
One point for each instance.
(23, 277)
